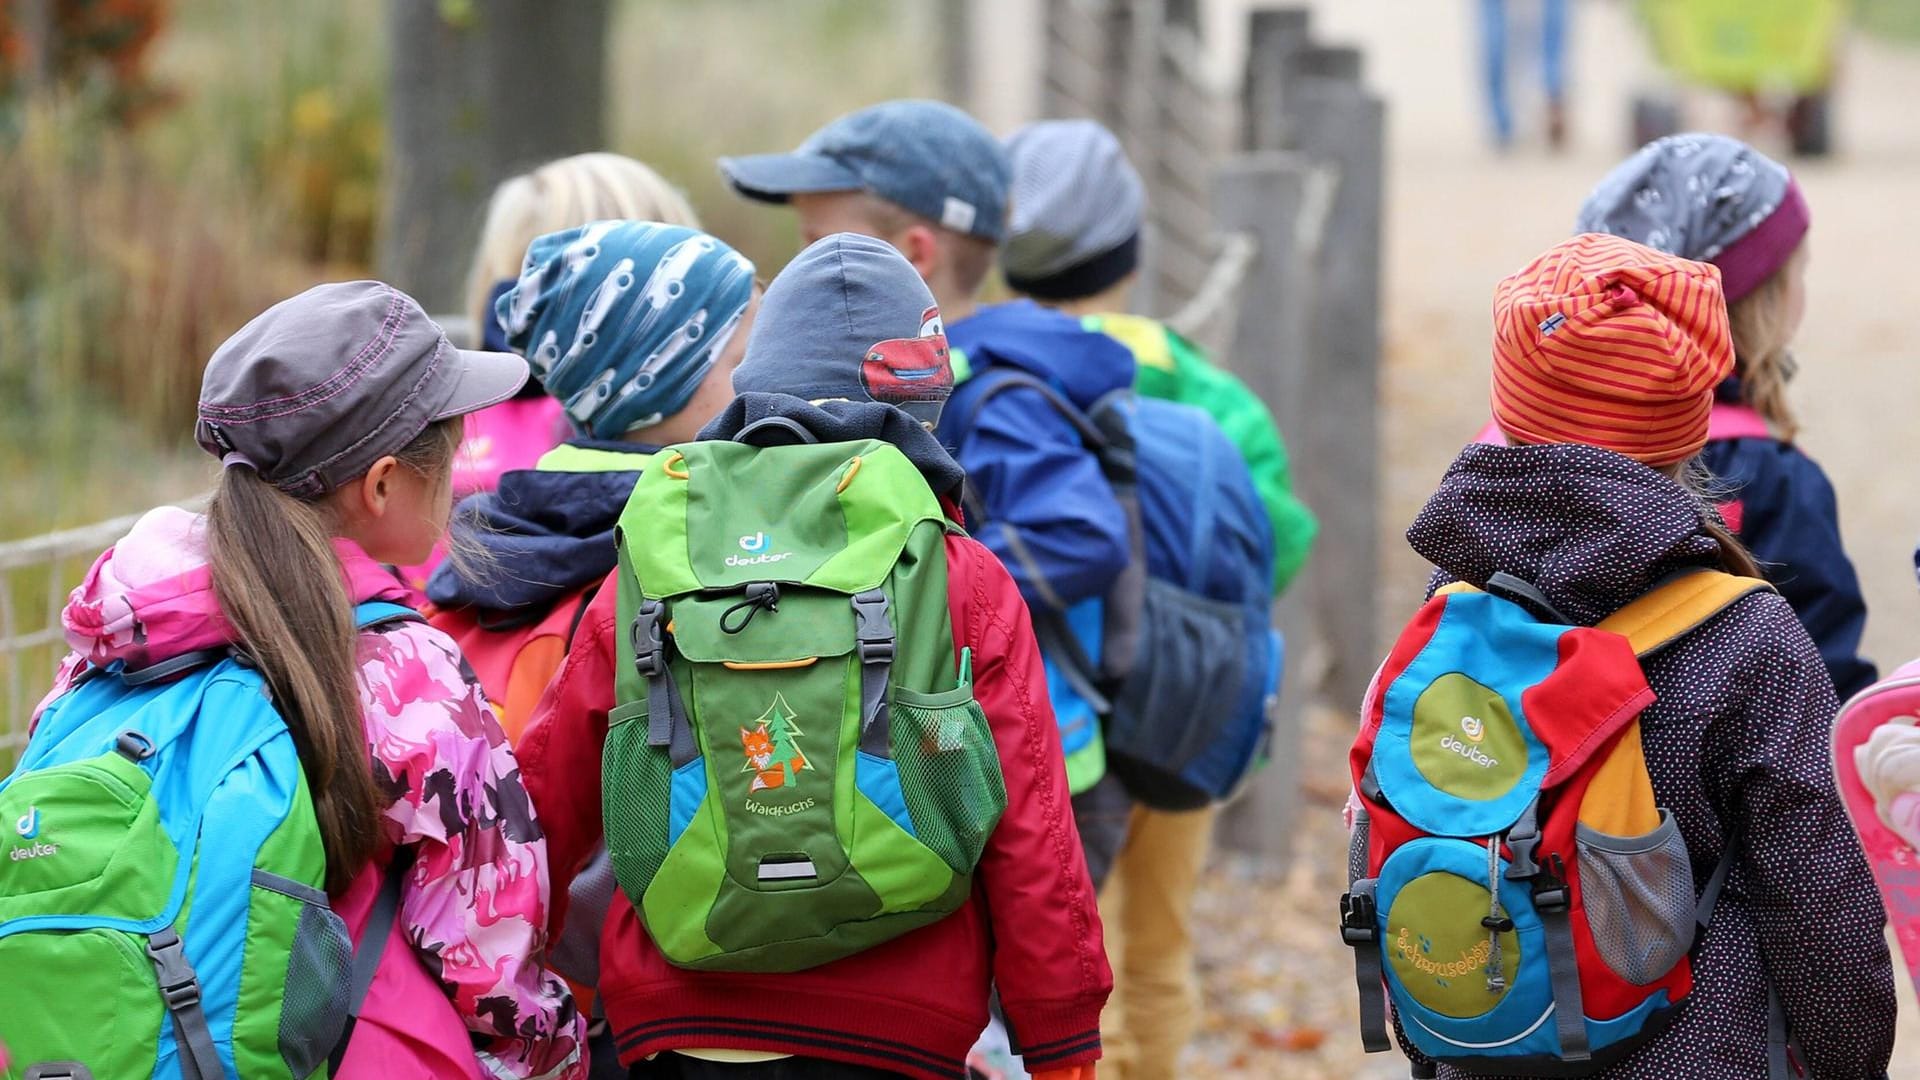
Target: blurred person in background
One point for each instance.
(1496, 27)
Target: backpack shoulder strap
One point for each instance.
(373, 946)
(995, 382)
(1677, 606)
(376, 615)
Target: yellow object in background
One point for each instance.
(1747, 45)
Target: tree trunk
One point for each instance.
(480, 90)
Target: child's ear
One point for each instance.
(921, 245)
(377, 486)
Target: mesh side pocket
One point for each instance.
(1357, 845)
(949, 774)
(635, 790)
(313, 1009)
(1638, 892)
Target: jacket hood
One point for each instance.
(150, 596)
(545, 533)
(847, 421)
(1084, 364)
(1593, 530)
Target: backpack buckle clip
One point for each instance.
(1359, 924)
(1550, 891)
(873, 628)
(648, 644)
(179, 985)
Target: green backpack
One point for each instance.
(795, 770)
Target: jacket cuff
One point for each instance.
(1052, 1034)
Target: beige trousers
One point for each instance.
(1147, 911)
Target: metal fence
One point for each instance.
(35, 576)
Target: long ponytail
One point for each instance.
(279, 584)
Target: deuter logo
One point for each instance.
(1467, 750)
(28, 827)
(756, 545)
(1473, 728)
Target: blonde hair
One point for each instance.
(564, 194)
(1763, 350)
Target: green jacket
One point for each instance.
(1174, 369)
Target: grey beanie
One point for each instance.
(1709, 198)
(1078, 207)
(850, 319)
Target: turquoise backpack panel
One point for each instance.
(1508, 651)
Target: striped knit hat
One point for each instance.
(1604, 342)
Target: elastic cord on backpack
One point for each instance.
(1496, 921)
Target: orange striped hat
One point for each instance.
(1605, 342)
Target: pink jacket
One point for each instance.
(474, 906)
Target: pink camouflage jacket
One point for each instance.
(474, 907)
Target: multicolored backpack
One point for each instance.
(161, 903)
(796, 769)
(1528, 906)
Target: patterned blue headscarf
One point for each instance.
(621, 320)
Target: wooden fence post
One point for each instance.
(1274, 35)
(1272, 198)
(1338, 123)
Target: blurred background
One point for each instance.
(1335, 194)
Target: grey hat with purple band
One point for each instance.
(318, 387)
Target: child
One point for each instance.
(562, 194)
(1079, 208)
(1592, 512)
(849, 327)
(1715, 199)
(653, 366)
(336, 415)
(928, 179)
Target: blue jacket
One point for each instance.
(547, 532)
(1781, 506)
(1048, 505)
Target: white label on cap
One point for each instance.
(958, 215)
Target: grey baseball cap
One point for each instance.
(925, 156)
(1078, 207)
(850, 319)
(318, 387)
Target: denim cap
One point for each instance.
(850, 320)
(1078, 207)
(925, 156)
(1709, 198)
(622, 320)
(318, 387)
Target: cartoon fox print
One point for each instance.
(767, 773)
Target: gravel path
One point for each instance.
(1278, 983)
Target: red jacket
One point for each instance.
(914, 1004)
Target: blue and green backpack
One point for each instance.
(162, 910)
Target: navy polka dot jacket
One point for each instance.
(1737, 744)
